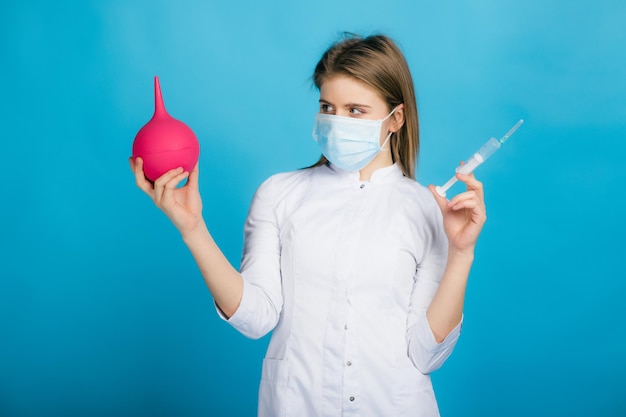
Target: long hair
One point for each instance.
(378, 62)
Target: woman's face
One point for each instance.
(345, 96)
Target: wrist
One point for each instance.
(197, 232)
(461, 255)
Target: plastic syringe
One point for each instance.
(478, 158)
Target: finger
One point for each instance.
(165, 178)
(168, 184)
(469, 203)
(442, 202)
(459, 201)
(472, 183)
(140, 177)
(476, 208)
(468, 178)
(465, 196)
(174, 182)
(161, 182)
(193, 177)
(171, 186)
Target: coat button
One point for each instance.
(351, 398)
(349, 363)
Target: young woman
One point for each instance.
(358, 269)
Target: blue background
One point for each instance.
(102, 309)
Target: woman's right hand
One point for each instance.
(183, 206)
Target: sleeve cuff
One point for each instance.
(241, 317)
(428, 338)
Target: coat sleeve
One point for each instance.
(425, 352)
(262, 299)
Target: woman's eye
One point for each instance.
(356, 111)
(326, 108)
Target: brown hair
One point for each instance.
(378, 62)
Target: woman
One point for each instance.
(359, 270)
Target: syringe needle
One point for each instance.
(510, 132)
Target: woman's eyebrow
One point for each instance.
(350, 105)
(347, 105)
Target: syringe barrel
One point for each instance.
(489, 148)
(480, 156)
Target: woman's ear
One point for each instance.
(397, 118)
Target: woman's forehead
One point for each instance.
(340, 89)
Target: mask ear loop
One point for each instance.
(382, 147)
(392, 112)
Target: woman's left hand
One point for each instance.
(464, 215)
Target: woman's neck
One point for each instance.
(382, 160)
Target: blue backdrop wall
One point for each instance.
(102, 310)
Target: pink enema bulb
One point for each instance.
(165, 143)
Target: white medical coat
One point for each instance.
(343, 271)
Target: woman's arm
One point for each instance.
(463, 219)
(183, 206)
(224, 281)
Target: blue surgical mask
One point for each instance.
(348, 142)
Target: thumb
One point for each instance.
(442, 202)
